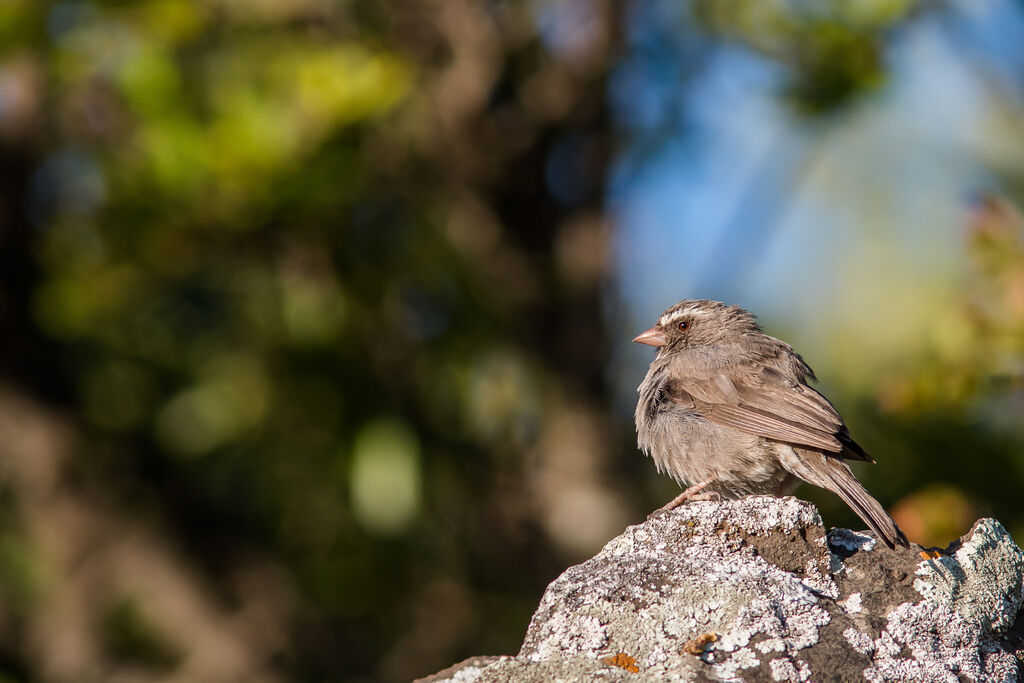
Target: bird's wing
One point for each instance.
(765, 402)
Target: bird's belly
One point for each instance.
(690, 449)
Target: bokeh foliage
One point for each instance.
(295, 274)
(313, 301)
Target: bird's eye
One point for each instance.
(682, 325)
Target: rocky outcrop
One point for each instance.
(755, 590)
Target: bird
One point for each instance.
(726, 410)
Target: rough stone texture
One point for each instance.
(754, 590)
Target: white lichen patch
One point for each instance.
(851, 605)
(861, 642)
(770, 645)
(982, 580)
(782, 670)
(968, 598)
(756, 514)
(744, 658)
(787, 670)
(467, 675)
(932, 643)
(818, 581)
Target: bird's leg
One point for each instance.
(787, 486)
(690, 494)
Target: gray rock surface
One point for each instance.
(755, 590)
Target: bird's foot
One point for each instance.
(695, 492)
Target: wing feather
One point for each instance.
(753, 421)
(767, 403)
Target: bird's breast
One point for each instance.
(689, 448)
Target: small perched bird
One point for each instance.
(726, 409)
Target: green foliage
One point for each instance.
(833, 50)
(273, 347)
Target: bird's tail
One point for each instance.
(835, 475)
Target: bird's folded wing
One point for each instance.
(767, 404)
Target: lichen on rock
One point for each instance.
(754, 589)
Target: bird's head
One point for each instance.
(695, 324)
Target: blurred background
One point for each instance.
(315, 314)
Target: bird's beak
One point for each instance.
(651, 337)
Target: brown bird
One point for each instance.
(726, 408)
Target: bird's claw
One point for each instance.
(695, 492)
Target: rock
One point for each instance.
(755, 590)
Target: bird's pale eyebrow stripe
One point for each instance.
(675, 315)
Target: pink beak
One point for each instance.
(651, 337)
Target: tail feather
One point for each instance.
(869, 510)
(835, 475)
